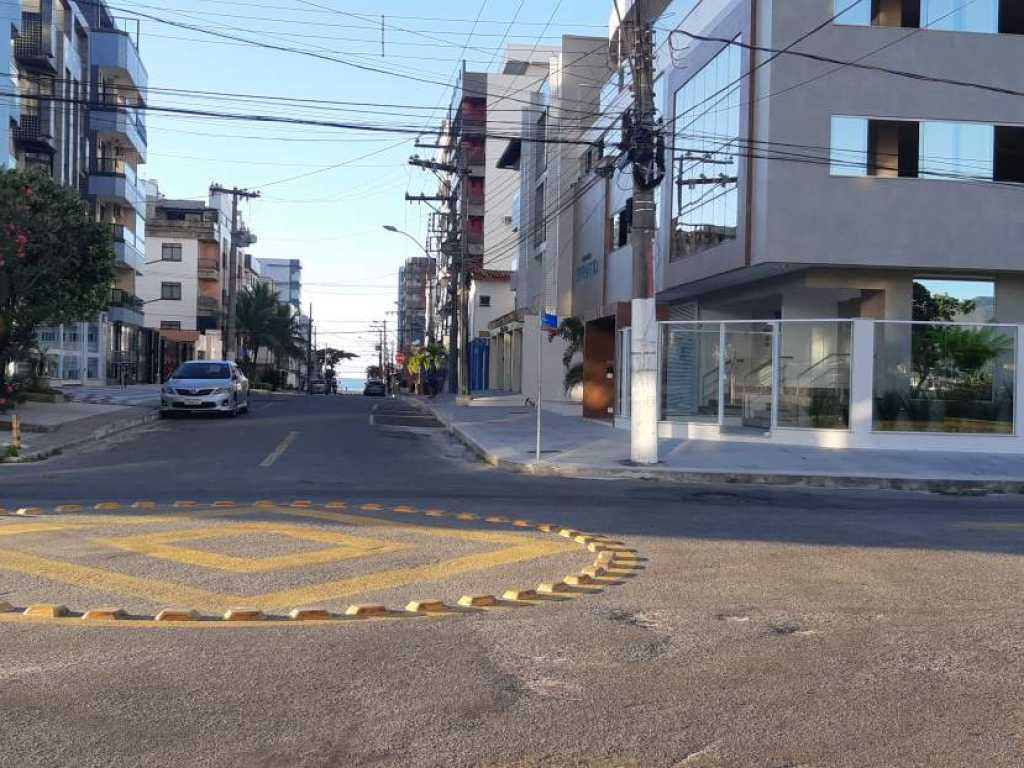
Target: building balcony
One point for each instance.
(114, 180)
(121, 123)
(36, 46)
(114, 51)
(125, 308)
(129, 249)
(207, 305)
(34, 131)
(209, 269)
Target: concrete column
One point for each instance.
(643, 438)
(862, 377)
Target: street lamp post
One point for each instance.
(430, 284)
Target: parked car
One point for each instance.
(319, 387)
(374, 388)
(204, 386)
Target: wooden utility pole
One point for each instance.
(230, 332)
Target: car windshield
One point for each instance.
(202, 371)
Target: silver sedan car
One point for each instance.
(204, 386)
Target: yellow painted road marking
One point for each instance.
(159, 545)
(279, 451)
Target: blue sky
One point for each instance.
(332, 219)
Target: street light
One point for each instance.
(430, 284)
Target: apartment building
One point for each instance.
(812, 207)
(414, 278)
(549, 157)
(187, 248)
(68, 63)
(485, 107)
(286, 275)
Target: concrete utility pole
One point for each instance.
(309, 352)
(230, 333)
(645, 149)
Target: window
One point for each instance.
(485, 301)
(622, 225)
(540, 225)
(170, 325)
(981, 16)
(170, 291)
(705, 173)
(170, 252)
(928, 149)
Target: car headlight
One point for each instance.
(223, 390)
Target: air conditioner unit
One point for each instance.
(508, 220)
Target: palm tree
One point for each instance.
(572, 330)
(255, 310)
(427, 361)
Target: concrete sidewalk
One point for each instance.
(505, 437)
(48, 428)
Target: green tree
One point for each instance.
(56, 260)
(427, 360)
(255, 310)
(572, 330)
(329, 357)
(928, 306)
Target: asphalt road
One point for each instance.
(771, 627)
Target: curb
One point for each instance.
(951, 486)
(97, 434)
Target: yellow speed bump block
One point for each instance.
(548, 528)
(244, 614)
(582, 580)
(554, 588)
(496, 519)
(46, 611)
(594, 571)
(264, 503)
(364, 610)
(404, 508)
(178, 614)
(184, 504)
(519, 594)
(467, 516)
(569, 533)
(107, 506)
(104, 614)
(309, 614)
(373, 507)
(224, 504)
(436, 513)
(69, 508)
(144, 505)
(426, 606)
(478, 601)
(302, 503)
(335, 505)
(30, 511)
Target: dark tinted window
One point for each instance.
(203, 371)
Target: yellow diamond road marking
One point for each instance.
(513, 549)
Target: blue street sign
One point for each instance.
(549, 322)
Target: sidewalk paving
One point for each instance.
(505, 436)
(147, 395)
(48, 428)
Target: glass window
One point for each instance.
(92, 338)
(170, 291)
(71, 367)
(170, 252)
(848, 151)
(814, 374)
(859, 13)
(706, 155)
(958, 16)
(957, 150)
(170, 325)
(485, 301)
(203, 371)
(940, 377)
(690, 371)
(48, 334)
(92, 370)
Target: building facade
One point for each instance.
(286, 275)
(414, 279)
(80, 81)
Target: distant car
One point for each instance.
(374, 388)
(200, 386)
(319, 387)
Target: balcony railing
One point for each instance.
(207, 305)
(209, 268)
(35, 43)
(36, 128)
(121, 298)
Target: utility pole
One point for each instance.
(645, 150)
(229, 342)
(463, 282)
(309, 352)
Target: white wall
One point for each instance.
(501, 295)
(186, 272)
